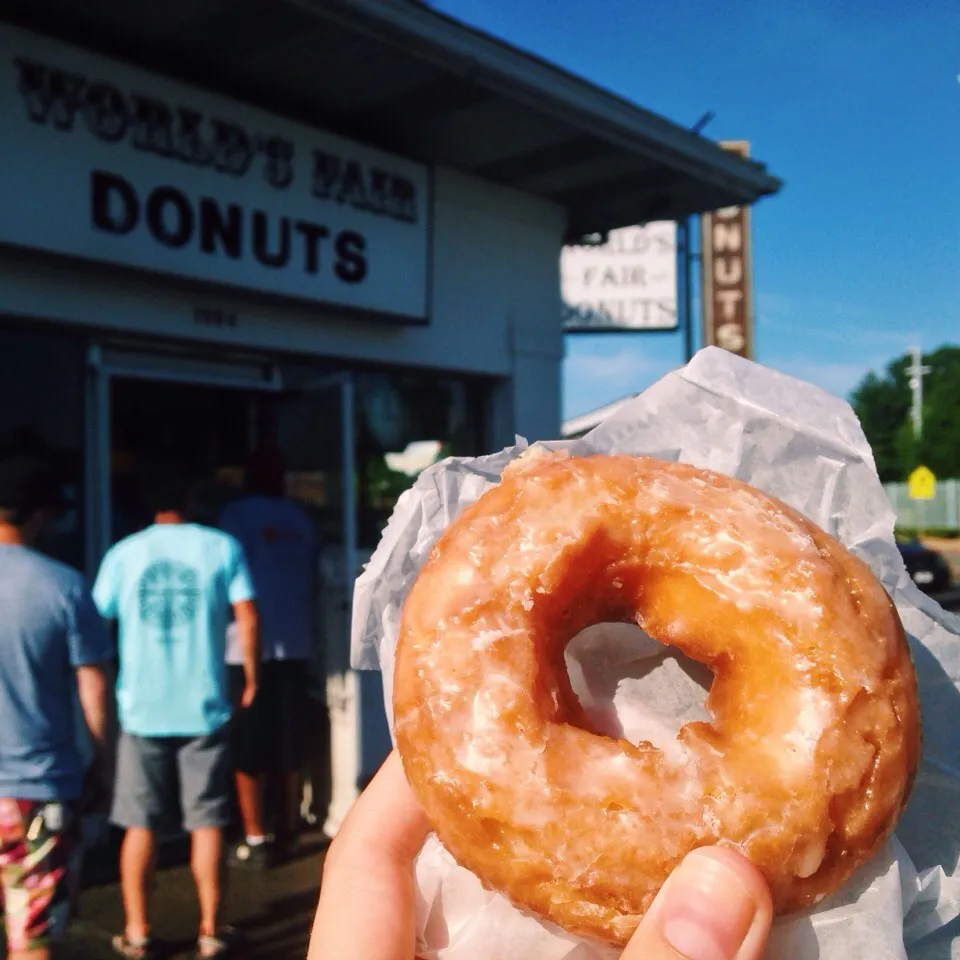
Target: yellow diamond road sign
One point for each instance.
(922, 484)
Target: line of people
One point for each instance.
(214, 641)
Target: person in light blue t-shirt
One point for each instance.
(172, 589)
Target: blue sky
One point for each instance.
(855, 104)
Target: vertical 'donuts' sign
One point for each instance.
(727, 281)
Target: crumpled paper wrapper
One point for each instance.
(806, 447)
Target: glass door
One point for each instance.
(311, 422)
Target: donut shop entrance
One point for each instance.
(212, 414)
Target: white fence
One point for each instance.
(942, 511)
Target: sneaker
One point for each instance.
(259, 857)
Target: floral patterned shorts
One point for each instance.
(39, 870)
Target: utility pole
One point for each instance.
(687, 259)
(917, 371)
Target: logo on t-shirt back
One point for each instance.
(169, 595)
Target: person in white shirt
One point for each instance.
(281, 547)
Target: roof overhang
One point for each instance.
(585, 422)
(401, 76)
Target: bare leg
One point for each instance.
(40, 953)
(250, 802)
(137, 862)
(206, 860)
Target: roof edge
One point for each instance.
(498, 65)
(585, 422)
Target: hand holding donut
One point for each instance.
(685, 850)
(715, 905)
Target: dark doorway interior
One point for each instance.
(212, 429)
(206, 427)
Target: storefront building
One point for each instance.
(331, 225)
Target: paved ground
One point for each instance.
(272, 910)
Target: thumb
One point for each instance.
(714, 906)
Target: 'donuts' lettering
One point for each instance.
(174, 220)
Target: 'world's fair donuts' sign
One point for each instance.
(107, 162)
(627, 283)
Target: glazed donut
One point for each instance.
(815, 735)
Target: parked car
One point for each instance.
(928, 569)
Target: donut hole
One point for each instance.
(633, 687)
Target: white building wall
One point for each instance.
(495, 303)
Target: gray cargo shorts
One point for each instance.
(166, 782)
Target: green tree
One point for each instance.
(883, 405)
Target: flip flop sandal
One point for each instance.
(213, 947)
(133, 949)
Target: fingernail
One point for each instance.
(707, 911)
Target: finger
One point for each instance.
(714, 906)
(367, 908)
(387, 818)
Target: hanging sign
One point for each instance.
(726, 274)
(107, 162)
(627, 283)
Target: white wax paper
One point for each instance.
(806, 447)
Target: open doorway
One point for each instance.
(209, 427)
(214, 427)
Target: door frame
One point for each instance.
(348, 462)
(133, 365)
(102, 369)
(342, 684)
(104, 366)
